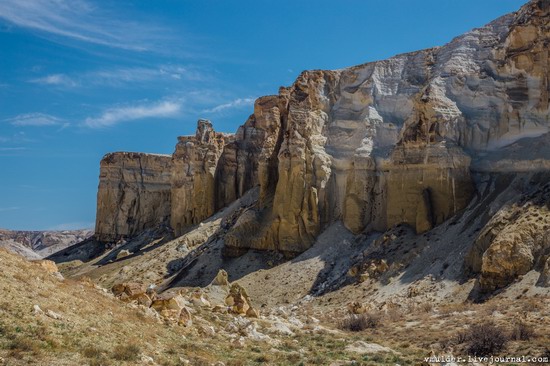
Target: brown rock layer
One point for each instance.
(194, 165)
(133, 195)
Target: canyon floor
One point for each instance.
(48, 320)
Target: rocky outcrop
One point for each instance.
(134, 194)
(133, 291)
(373, 145)
(194, 166)
(516, 239)
(251, 158)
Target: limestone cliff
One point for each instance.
(390, 141)
(251, 158)
(373, 145)
(134, 194)
(193, 176)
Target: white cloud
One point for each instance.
(56, 79)
(237, 103)
(82, 21)
(118, 76)
(140, 74)
(117, 115)
(34, 119)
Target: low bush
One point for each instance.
(128, 352)
(357, 323)
(485, 340)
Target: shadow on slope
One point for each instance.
(84, 251)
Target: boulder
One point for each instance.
(168, 302)
(252, 313)
(238, 300)
(512, 243)
(172, 308)
(221, 279)
(198, 298)
(132, 291)
(122, 254)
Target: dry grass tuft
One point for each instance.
(358, 323)
(522, 332)
(129, 352)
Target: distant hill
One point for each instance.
(39, 244)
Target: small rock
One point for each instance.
(147, 360)
(197, 299)
(281, 328)
(36, 310)
(364, 347)
(238, 342)
(220, 309)
(123, 253)
(252, 313)
(208, 330)
(53, 315)
(221, 279)
(185, 317)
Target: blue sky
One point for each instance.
(80, 78)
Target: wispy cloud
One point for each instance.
(55, 79)
(119, 76)
(19, 148)
(113, 116)
(237, 103)
(82, 21)
(34, 119)
(13, 208)
(162, 72)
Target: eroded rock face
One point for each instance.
(133, 195)
(251, 158)
(374, 145)
(517, 238)
(194, 165)
(389, 142)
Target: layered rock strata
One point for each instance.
(133, 195)
(373, 145)
(194, 165)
